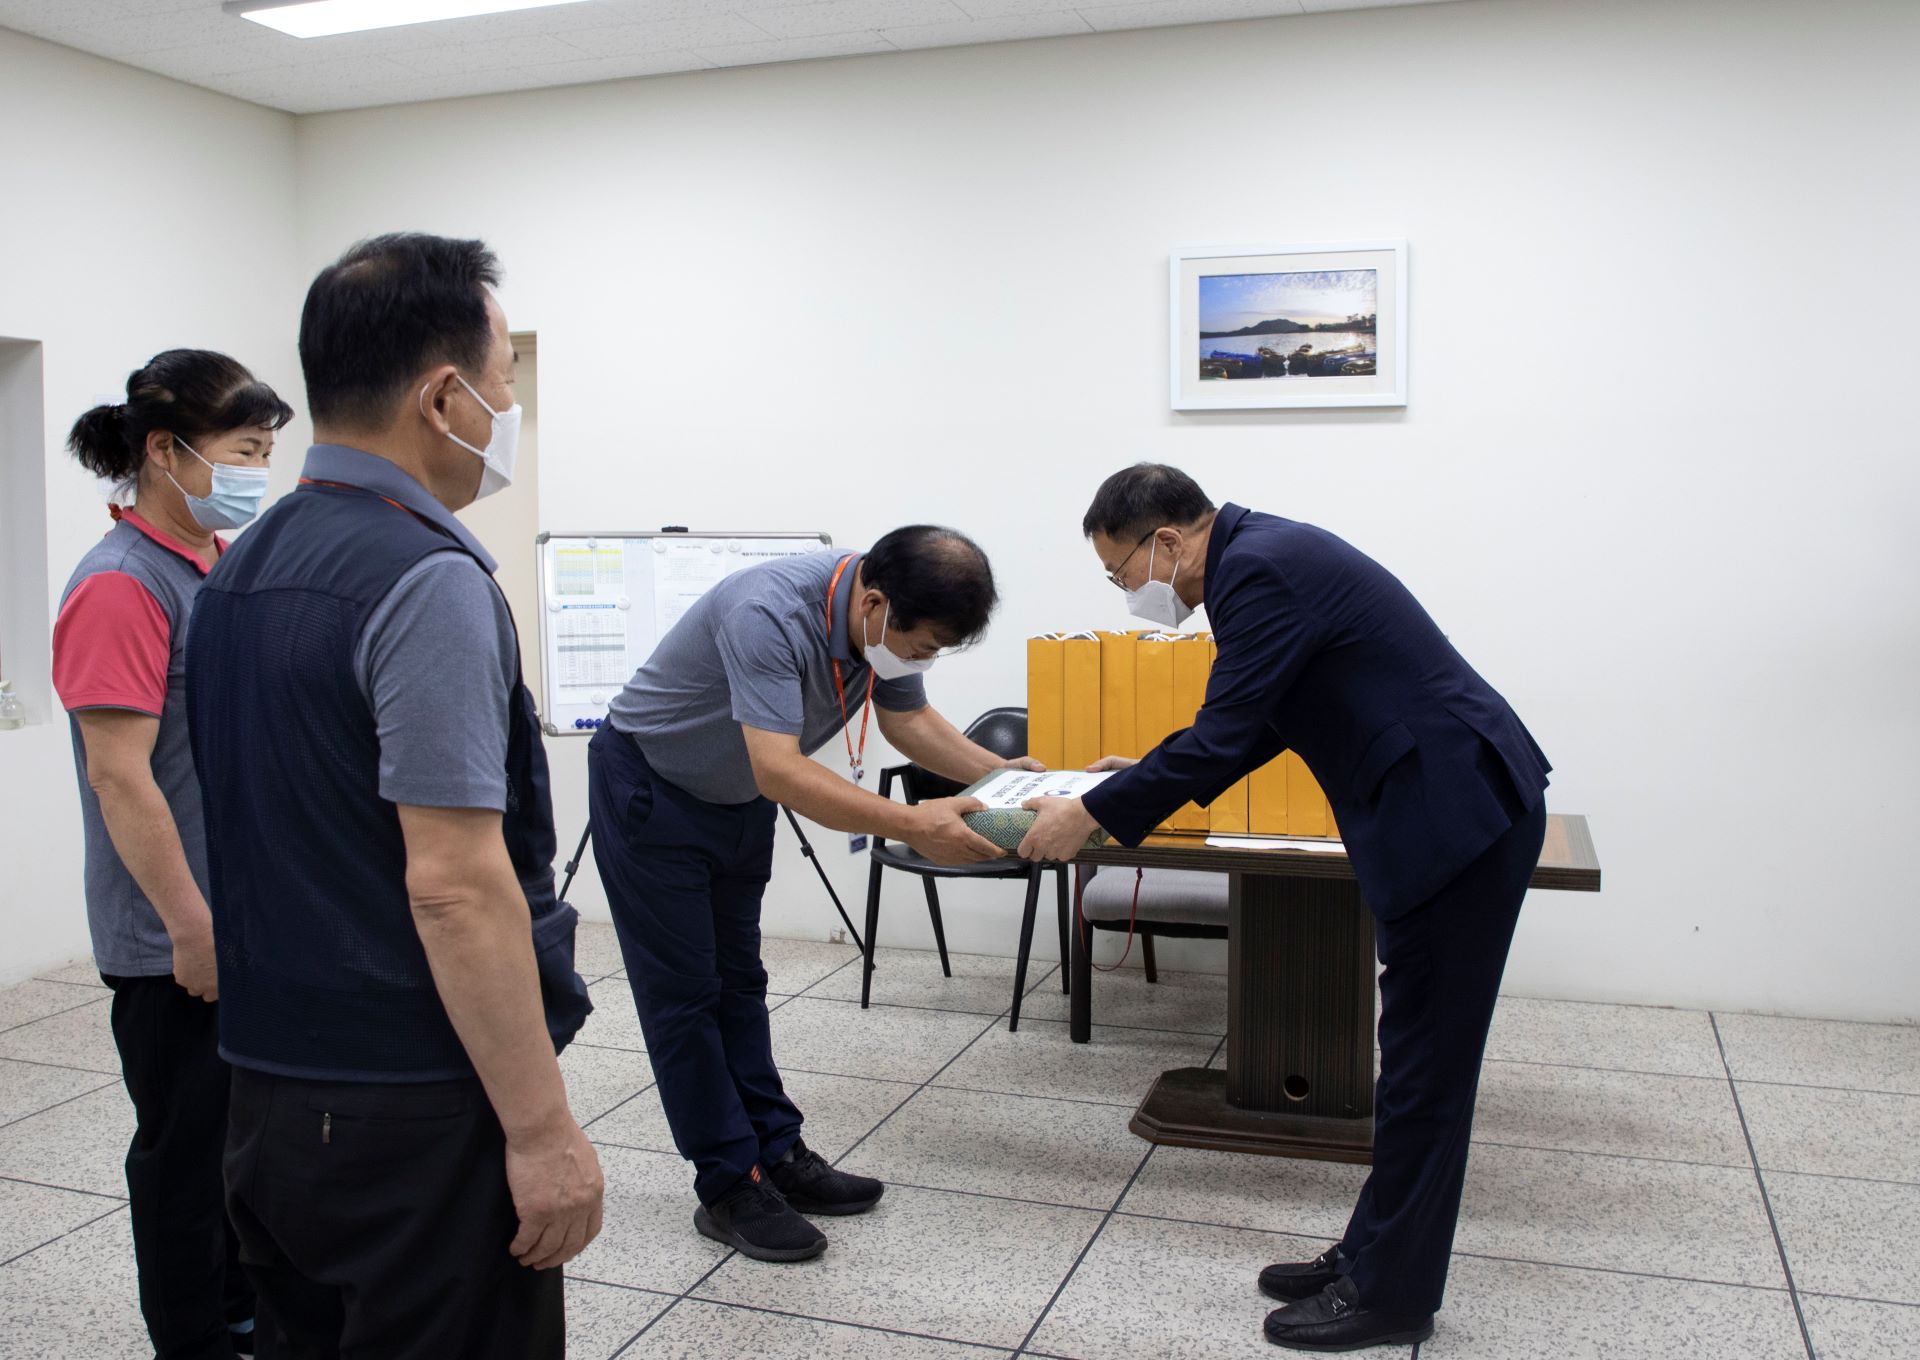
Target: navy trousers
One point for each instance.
(684, 878)
(1443, 964)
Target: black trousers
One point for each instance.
(1444, 960)
(374, 1221)
(191, 1284)
(684, 878)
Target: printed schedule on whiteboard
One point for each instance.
(609, 598)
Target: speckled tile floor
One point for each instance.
(1645, 1183)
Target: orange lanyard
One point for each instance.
(856, 760)
(349, 486)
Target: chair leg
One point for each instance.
(873, 929)
(1065, 911)
(1146, 954)
(1080, 1004)
(1026, 946)
(939, 930)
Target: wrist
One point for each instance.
(190, 928)
(544, 1131)
(908, 822)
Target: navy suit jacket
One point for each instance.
(1322, 651)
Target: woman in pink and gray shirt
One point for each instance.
(187, 452)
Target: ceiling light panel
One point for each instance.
(324, 18)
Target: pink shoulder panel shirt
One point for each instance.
(119, 642)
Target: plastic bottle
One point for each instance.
(12, 714)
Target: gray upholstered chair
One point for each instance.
(1174, 903)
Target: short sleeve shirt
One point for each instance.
(757, 649)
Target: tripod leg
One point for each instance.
(873, 933)
(806, 848)
(573, 865)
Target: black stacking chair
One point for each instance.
(1004, 732)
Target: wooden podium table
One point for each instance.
(1300, 997)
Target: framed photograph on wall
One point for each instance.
(1264, 327)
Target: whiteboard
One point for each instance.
(607, 599)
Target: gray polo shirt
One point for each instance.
(755, 649)
(436, 659)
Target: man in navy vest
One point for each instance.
(396, 975)
(1438, 792)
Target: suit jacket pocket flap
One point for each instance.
(1389, 744)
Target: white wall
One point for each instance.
(141, 214)
(1656, 478)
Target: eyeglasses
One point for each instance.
(1114, 575)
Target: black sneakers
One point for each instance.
(755, 1219)
(1292, 1280)
(813, 1187)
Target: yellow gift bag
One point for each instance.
(1047, 700)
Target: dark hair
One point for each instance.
(385, 310)
(1147, 496)
(192, 393)
(935, 576)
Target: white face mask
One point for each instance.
(1155, 601)
(233, 499)
(501, 448)
(887, 665)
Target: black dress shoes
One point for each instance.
(1333, 1320)
(1292, 1280)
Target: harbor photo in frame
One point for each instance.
(1263, 327)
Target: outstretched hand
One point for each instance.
(1060, 829)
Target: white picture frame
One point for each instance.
(1307, 337)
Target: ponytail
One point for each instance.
(99, 441)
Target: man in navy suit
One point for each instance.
(1438, 792)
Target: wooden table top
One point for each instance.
(1567, 858)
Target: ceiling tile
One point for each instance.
(795, 49)
(1158, 13)
(195, 41)
(495, 54)
(1326, 6)
(1006, 9)
(1010, 29)
(854, 16)
(712, 30)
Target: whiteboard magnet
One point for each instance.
(623, 603)
(553, 606)
(659, 545)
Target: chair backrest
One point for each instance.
(1002, 731)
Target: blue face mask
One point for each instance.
(233, 500)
